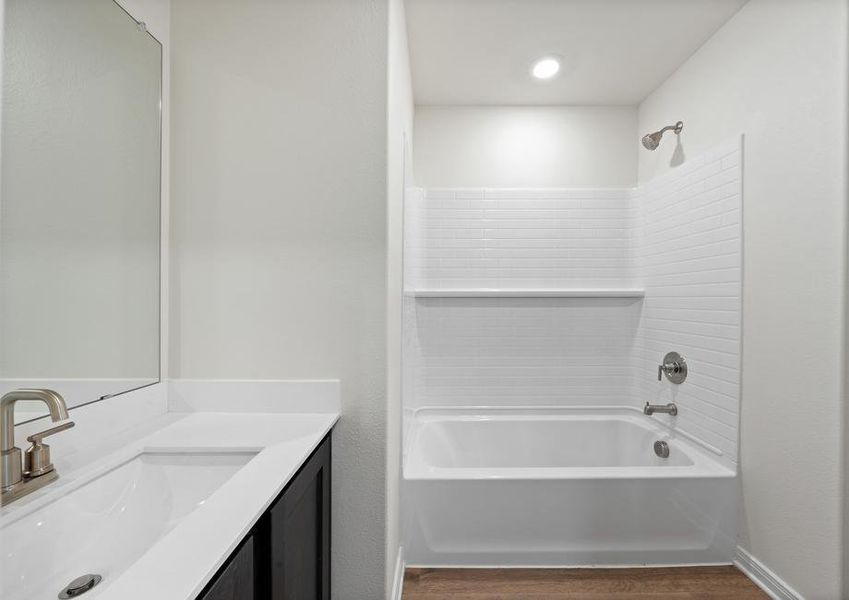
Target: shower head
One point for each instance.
(652, 140)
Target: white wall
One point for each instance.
(399, 175)
(466, 352)
(513, 352)
(564, 146)
(279, 226)
(777, 72)
(519, 238)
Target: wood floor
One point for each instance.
(682, 583)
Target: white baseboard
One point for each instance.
(765, 579)
(398, 579)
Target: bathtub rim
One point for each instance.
(704, 465)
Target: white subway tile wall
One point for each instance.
(524, 351)
(689, 256)
(519, 238)
(678, 237)
(534, 351)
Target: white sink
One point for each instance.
(105, 525)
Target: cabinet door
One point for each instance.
(300, 533)
(236, 580)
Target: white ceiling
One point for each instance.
(470, 52)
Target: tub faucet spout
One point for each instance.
(668, 409)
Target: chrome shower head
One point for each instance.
(652, 140)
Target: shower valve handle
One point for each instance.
(668, 368)
(674, 367)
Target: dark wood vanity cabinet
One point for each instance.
(235, 580)
(286, 556)
(300, 533)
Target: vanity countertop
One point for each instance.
(181, 563)
(186, 559)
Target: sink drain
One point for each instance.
(80, 586)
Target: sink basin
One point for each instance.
(105, 525)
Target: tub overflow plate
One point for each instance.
(80, 586)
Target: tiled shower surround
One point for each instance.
(677, 238)
(520, 238)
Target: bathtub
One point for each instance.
(569, 487)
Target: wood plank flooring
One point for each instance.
(679, 583)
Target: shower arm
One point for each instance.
(676, 128)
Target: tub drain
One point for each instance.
(661, 448)
(80, 586)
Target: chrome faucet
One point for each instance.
(20, 475)
(668, 409)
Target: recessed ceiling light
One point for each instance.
(546, 68)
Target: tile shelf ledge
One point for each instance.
(527, 293)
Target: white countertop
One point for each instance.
(186, 559)
(180, 564)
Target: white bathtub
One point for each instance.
(564, 487)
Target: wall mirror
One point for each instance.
(79, 201)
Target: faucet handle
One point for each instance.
(674, 367)
(36, 438)
(37, 456)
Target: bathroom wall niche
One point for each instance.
(79, 201)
